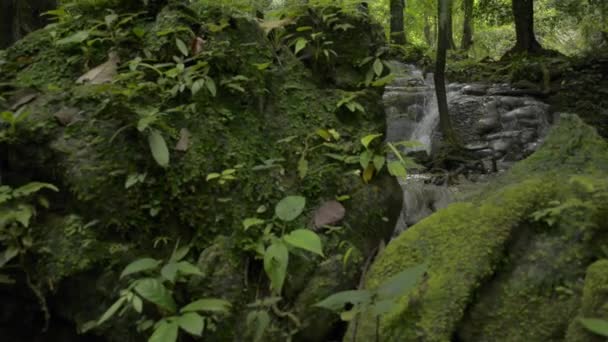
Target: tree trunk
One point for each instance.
(449, 28)
(397, 24)
(20, 17)
(445, 122)
(523, 13)
(428, 33)
(6, 23)
(467, 29)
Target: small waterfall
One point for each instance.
(500, 125)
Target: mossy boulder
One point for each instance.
(507, 265)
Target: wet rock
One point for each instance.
(527, 112)
(475, 89)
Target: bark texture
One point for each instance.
(523, 13)
(397, 23)
(467, 29)
(445, 122)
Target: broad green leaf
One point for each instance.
(210, 84)
(290, 207)
(213, 176)
(300, 44)
(337, 301)
(384, 80)
(366, 140)
(155, 292)
(145, 122)
(258, 321)
(401, 283)
(250, 222)
(165, 332)
(8, 254)
(302, 168)
(23, 214)
(305, 239)
(159, 149)
(140, 265)
(197, 86)
(379, 162)
(110, 18)
(139, 31)
(378, 67)
(75, 38)
(180, 253)
(181, 46)
(383, 306)
(262, 66)
(187, 268)
(365, 158)
(112, 310)
(207, 304)
(31, 188)
(396, 168)
(192, 323)
(368, 173)
(276, 258)
(169, 271)
(595, 325)
(137, 303)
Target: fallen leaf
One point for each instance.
(102, 73)
(329, 213)
(197, 45)
(184, 140)
(66, 115)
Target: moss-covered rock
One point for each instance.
(594, 303)
(505, 266)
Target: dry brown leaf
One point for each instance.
(102, 73)
(184, 140)
(197, 45)
(329, 213)
(23, 99)
(66, 115)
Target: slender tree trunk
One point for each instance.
(523, 13)
(449, 28)
(397, 23)
(467, 29)
(445, 122)
(428, 34)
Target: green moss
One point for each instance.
(595, 298)
(496, 273)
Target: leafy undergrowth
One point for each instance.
(184, 125)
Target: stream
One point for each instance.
(500, 125)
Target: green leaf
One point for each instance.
(213, 176)
(159, 149)
(401, 283)
(192, 323)
(337, 301)
(250, 222)
(181, 46)
(187, 268)
(258, 321)
(300, 44)
(197, 86)
(207, 304)
(169, 271)
(595, 325)
(276, 258)
(8, 254)
(110, 18)
(366, 140)
(111, 310)
(140, 265)
(137, 303)
(31, 188)
(155, 292)
(210, 84)
(365, 158)
(180, 253)
(302, 168)
(378, 67)
(379, 162)
(396, 168)
(305, 239)
(290, 207)
(165, 332)
(75, 38)
(139, 31)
